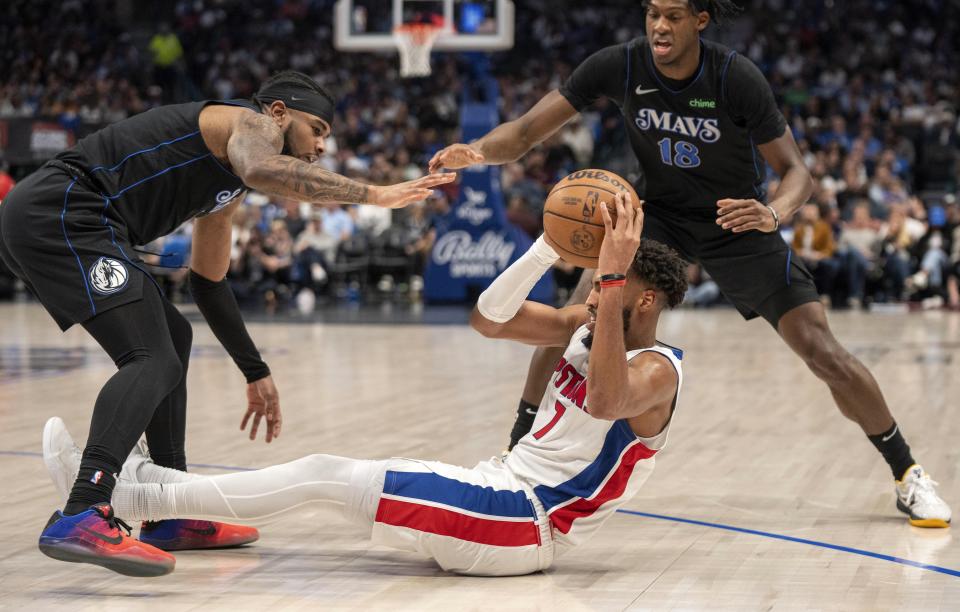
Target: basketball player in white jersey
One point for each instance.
(604, 418)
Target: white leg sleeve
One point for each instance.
(148, 471)
(350, 486)
(504, 297)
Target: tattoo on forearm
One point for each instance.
(257, 143)
(300, 179)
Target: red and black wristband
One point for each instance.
(613, 280)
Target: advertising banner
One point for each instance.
(479, 242)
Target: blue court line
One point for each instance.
(786, 538)
(663, 517)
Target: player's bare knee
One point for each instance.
(828, 360)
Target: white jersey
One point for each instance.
(579, 467)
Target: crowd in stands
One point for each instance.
(869, 88)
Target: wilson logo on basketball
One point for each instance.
(597, 175)
(108, 276)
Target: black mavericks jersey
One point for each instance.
(154, 171)
(696, 140)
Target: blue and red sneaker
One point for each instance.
(189, 534)
(96, 536)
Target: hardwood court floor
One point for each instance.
(756, 445)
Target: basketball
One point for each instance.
(358, 198)
(572, 221)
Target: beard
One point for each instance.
(287, 149)
(588, 340)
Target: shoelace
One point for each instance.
(115, 522)
(118, 523)
(921, 486)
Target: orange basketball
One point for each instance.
(572, 221)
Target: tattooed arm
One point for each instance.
(254, 152)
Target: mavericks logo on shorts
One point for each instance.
(108, 276)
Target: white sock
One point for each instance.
(350, 486)
(136, 502)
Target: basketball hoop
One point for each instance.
(414, 42)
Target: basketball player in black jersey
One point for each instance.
(702, 121)
(69, 230)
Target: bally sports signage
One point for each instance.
(469, 258)
(477, 242)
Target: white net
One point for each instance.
(414, 42)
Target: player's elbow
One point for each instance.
(486, 327)
(604, 412)
(605, 408)
(257, 176)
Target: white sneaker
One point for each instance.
(917, 498)
(137, 457)
(61, 456)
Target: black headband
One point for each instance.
(299, 98)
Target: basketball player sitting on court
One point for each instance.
(702, 120)
(591, 448)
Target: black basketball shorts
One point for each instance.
(756, 271)
(60, 238)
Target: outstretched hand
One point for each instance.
(263, 400)
(402, 194)
(454, 157)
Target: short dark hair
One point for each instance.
(292, 77)
(718, 9)
(662, 268)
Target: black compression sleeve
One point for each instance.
(219, 307)
(751, 101)
(601, 74)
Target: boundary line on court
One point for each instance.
(663, 517)
(786, 538)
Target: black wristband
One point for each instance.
(217, 304)
(526, 413)
(612, 277)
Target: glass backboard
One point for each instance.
(469, 25)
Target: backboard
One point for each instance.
(469, 25)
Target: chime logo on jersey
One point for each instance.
(108, 276)
(706, 130)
